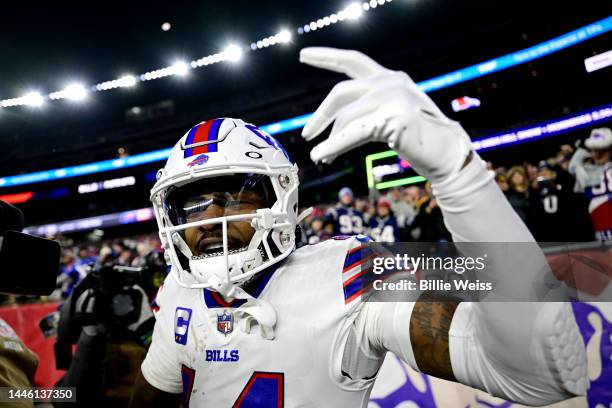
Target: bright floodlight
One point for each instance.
(166, 26)
(232, 53)
(180, 68)
(284, 36)
(127, 80)
(76, 92)
(33, 99)
(353, 11)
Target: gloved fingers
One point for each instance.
(341, 95)
(365, 106)
(355, 134)
(352, 63)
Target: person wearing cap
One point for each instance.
(346, 219)
(593, 171)
(556, 213)
(383, 227)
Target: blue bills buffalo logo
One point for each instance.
(225, 323)
(182, 317)
(199, 160)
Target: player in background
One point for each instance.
(245, 320)
(593, 171)
(346, 219)
(383, 227)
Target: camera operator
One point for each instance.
(109, 317)
(18, 363)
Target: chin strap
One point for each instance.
(304, 214)
(254, 311)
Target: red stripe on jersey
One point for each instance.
(360, 292)
(355, 249)
(348, 268)
(356, 276)
(220, 301)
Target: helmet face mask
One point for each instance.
(216, 197)
(231, 215)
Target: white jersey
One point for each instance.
(325, 352)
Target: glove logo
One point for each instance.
(182, 317)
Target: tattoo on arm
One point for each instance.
(429, 326)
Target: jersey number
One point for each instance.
(605, 185)
(350, 224)
(262, 390)
(384, 234)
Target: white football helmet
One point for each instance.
(219, 164)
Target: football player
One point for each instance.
(245, 320)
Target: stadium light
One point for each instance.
(180, 68)
(34, 99)
(232, 53)
(353, 11)
(284, 36)
(125, 81)
(75, 92)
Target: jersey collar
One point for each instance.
(214, 299)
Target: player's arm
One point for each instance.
(147, 396)
(503, 348)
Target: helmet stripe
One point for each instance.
(189, 141)
(205, 132)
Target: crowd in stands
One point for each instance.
(565, 198)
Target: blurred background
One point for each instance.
(93, 96)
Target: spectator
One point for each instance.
(517, 194)
(593, 172)
(556, 215)
(363, 206)
(317, 233)
(428, 225)
(530, 172)
(383, 227)
(345, 218)
(403, 211)
(502, 182)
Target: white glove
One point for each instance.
(380, 105)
